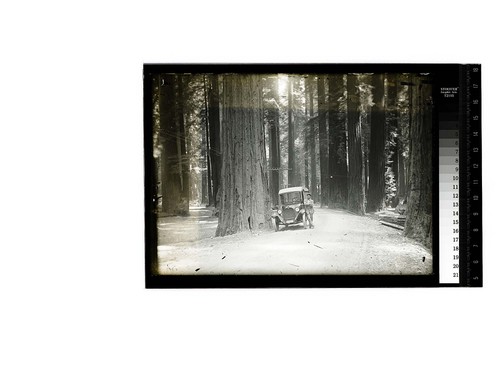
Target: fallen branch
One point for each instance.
(392, 225)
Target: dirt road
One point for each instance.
(340, 243)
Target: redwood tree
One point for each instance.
(323, 142)
(214, 136)
(376, 184)
(205, 139)
(182, 153)
(356, 191)
(244, 193)
(292, 173)
(175, 171)
(336, 143)
(419, 210)
(312, 124)
(307, 133)
(273, 117)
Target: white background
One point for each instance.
(72, 296)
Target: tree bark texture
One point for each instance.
(175, 171)
(336, 143)
(292, 175)
(323, 142)
(274, 140)
(356, 191)
(307, 155)
(312, 142)
(419, 209)
(245, 201)
(182, 147)
(206, 142)
(214, 137)
(204, 165)
(376, 184)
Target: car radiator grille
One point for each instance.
(288, 214)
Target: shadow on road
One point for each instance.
(200, 224)
(340, 243)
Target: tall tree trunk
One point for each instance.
(245, 201)
(312, 141)
(365, 118)
(182, 148)
(411, 119)
(376, 186)
(419, 209)
(400, 151)
(204, 165)
(171, 172)
(274, 140)
(214, 120)
(366, 166)
(401, 173)
(337, 144)
(323, 142)
(291, 136)
(307, 134)
(206, 139)
(156, 82)
(356, 191)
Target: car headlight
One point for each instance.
(297, 209)
(279, 212)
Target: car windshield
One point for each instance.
(292, 197)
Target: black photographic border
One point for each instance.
(443, 75)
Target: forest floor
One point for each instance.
(340, 243)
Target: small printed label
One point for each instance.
(449, 92)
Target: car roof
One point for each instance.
(290, 189)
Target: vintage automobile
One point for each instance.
(290, 209)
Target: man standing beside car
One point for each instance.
(309, 207)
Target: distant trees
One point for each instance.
(392, 141)
(401, 141)
(272, 116)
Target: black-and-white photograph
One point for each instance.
(325, 173)
(220, 187)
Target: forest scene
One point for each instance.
(224, 145)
